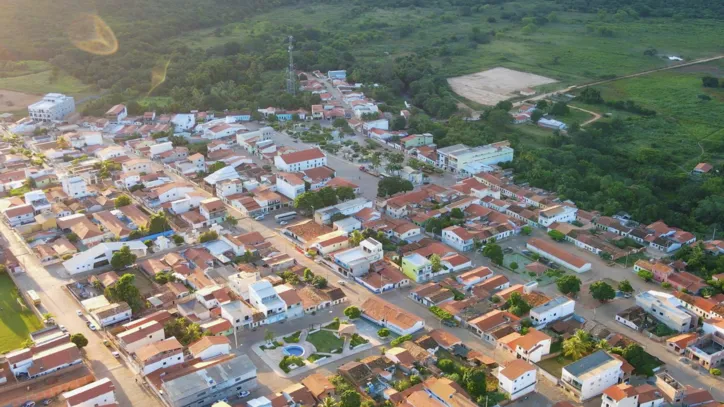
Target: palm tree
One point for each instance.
(269, 336)
(603, 345)
(574, 348)
(328, 402)
(583, 336)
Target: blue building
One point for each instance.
(341, 75)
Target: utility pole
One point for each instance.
(291, 80)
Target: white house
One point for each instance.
(557, 213)
(301, 160)
(160, 148)
(100, 255)
(620, 395)
(264, 298)
(458, 157)
(590, 376)
(210, 347)
(183, 122)
(138, 165)
(110, 153)
(238, 313)
(551, 311)
(160, 355)
(554, 253)
(324, 216)
(475, 276)
(112, 314)
(532, 346)
(74, 186)
(240, 282)
(517, 378)
(390, 316)
(98, 393)
(53, 106)
(458, 238)
(141, 335)
(20, 215)
(290, 184)
(263, 134)
(356, 261)
(116, 114)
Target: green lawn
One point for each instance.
(39, 83)
(15, 323)
(325, 341)
(553, 366)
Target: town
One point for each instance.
(326, 257)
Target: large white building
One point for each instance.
(590, 376)
(301, 160)
(100, 255)
(466, 160)
(356, 261)
(264, 298)
(324, 215)
(74, 186)
(557, 213)
(290, 184)
(99, 393)
(667, 309)
(53, 106)
(517, 378)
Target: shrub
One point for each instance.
(400, 339)
(715, 371)
(290, 360)
(441, 313)
(352, 312)
(383, 333)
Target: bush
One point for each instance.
(715, 371)
(290, 360)
(208, 236)
(400, 339)
(79, 340)
(441, 313)
(513, 266)
(352, 312)
(383, 333)
(178, 240)
(666, 285)
(293, 338)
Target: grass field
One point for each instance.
(687, 127)
(39, 83)
(564, 50)
(325, 341)
(15, 323)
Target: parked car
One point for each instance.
(508, 250)
(79, 313)
(107, 343)
(243, 394)
(116, 354)
(283, 222)
(260, 217)
(62, 328)
(93, 327)
(28, 404)
(449, 322)
(342, 282)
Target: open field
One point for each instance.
(15, 323)
(39, 84)
(11, 101)
(491, 86)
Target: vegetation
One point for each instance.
(625, 287)
(289, 360)
(122, 200)
(383, 332)
(441, 313)
(208, 236)
(352, 312)
(125, 290)
(569, 284)
(357, 340)
(400, 339)
(79, 340)
(494, 252)
(325, 341)
(185, 331)
(293, 338)
(123, 258)
(578, 345)
(556, 235)
(18, 319)
(392, 185)
(517, 305)
(645, 275)
(602, 291)
(663, 330)
(312, 200)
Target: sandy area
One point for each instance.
(491, 86)
(18, 100)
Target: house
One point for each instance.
(383, 279)
(210, 347)
(552, 252)
(416, 140)
(213, 210)
(112, 314)
(323, 216)
(320, 387)
(301, 160)
(390, 316)
(590, 376)
(660, 270)
(444, 339)
(206, 382)
(100, 255)
(702, 168)
(530, 347)
(517, 378)
(141, 335)
(667, 309)
(557, 213)
(116, 114)
(290, 184)
(473, 277)
(20, 215)
(417, 267)
(494, 325)
(463, 159)
(707, 350)
(160, 355)
(553, 310)
(265, 299)
(431, 294)
(98, 393)
(679, 343)
(356, 261)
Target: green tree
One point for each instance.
(383, 333)
(436, 263)
(625, 287)
(328, 196)
(79, 340)
(398, 123)
(446, 365)
(645, 275)
(513, 266)
(328, 402)
(376, 159)
(319, 282)
(569, 284)
(526, 230)
(269, 335)
(457, 213)
(355, 238)
(602, 291)
(350, 398)
(536, 115)
(352, 312)
(499, 118)
(123, 258)
(72, 237)
(475, 382)
(392, 185)
(494, 253)
(556, 235)
(122, 200)
(308, 202)
(577, 345)
(560, 109)
(208, 236)
(179, 240)
(345, 193)
(216, 166)
(517, 305)
(125, 290)
(308, 275)
(158, 223)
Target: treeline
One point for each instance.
(650, 8)
(589, 168)
(593, 96)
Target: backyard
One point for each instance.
(17, 322)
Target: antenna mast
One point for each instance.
(291, 80)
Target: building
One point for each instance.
(265, 299)
(390, 316)
(139, 336)
(301, 160)
(210, 347)
(464, 159)
(667, 309)
(557, 213)
(590, 376)
(160, 355)
(494, 325)
(532, 346)
(98, 393)
(290, 184)
(20, 215)
(324, 216)
(553, 310)
(204, 383)
(417, 267)
(53, 107)
(625, 395)
(560, 256)
(100, 255)
(320, 387)
(517, 378)
(357, 260)
(116, 114)
(112, 314)
(475, 276)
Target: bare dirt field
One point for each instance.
(11, 101)
(491, 86)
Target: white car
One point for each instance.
(283, 222)
(93, 327)
(79, 313)
(260, 217)
(62, 328)
(243, 394)
(342, 282)
(116, 354)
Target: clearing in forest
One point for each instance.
(491, 86)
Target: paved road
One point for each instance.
(49, 285)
